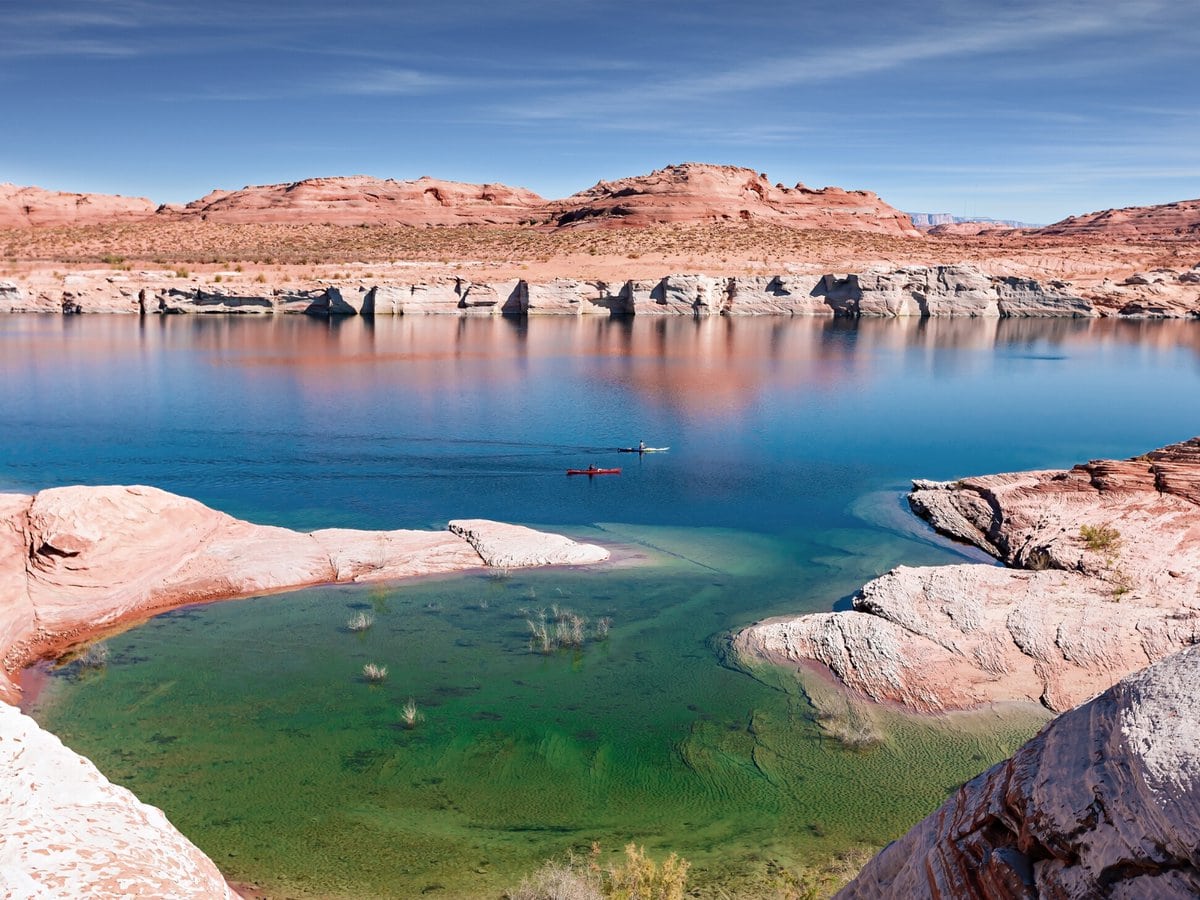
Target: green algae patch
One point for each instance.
(251, 726)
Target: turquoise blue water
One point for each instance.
(791, 443)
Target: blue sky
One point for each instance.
(1009, 108)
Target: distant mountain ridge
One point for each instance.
(689, 193)
(683, 194)
(930, 220)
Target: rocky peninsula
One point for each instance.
(79, 561)
(1102, 579)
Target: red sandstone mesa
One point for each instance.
(22, 207)
(361, 200)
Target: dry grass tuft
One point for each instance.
(374, 674)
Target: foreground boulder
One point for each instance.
(66, 831)
(1105, 580)
(1104, 802)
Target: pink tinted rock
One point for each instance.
(24, 207)
(66, 831)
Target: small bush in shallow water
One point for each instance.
(563, 628)
(641, 878)
(374, 674)
(409, 714)
(360, 621)
(95, 657)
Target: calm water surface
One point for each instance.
(791, 442)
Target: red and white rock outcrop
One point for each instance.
(22, 207)
(1079, 610)
(693, 193)
(1104, 802)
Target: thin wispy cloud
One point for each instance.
(1023, 27)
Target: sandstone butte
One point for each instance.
(1103, 579)
(22, 207)
(77, 561)
(1104, 802)
(697, 192)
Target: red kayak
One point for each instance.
(592, 470)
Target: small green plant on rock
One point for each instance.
(1100, 538)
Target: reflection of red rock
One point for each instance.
(1102, 803)
(360, 199)
(696, 193)
(1076, 614)
(1166, 222)
(21, 207)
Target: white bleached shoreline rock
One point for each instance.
(1069, 618)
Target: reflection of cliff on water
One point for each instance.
(713, 367)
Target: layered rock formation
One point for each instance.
(696, 192)
(23, 207)
(1106, 581)
(78, 560)
(925, 291)
(1178, 221)
(691, 193)
(66, 831)
(1157, 294)
(75, 560)
(1104, 802)
(363, 200)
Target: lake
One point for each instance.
(792, 442)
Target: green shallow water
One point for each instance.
(249, 723)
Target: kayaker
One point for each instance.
(641, 446)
